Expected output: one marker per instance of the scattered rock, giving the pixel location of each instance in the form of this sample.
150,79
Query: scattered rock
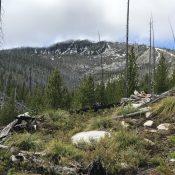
124,124
148,114
124,165
148,123
89,136
17,158
164,126
172,160
63,170
149,141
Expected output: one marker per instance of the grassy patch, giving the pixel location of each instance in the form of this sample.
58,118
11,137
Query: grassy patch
26,141
103,123
127,110
64,150
165,110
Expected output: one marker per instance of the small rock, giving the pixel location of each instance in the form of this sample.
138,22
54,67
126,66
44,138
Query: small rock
148,114
124,165
148,123
124,124
23,115
136,92
164,126
172,160
149,141
136,105
14,159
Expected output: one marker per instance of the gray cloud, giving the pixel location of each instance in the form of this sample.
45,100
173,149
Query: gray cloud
43,22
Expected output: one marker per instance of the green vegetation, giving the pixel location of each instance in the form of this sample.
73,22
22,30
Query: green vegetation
126,110
132,72
165,110
8,111
161,76
26,142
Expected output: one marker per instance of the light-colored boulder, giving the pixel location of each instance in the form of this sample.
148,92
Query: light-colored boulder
89,136
148,123
164,126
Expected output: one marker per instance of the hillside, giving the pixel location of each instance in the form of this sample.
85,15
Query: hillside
74,59
138,141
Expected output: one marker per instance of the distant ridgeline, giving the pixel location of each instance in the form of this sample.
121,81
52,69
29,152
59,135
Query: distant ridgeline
75,59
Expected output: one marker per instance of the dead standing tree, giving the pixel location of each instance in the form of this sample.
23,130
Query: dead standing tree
101,56
150,56
154,56
172,31
127,50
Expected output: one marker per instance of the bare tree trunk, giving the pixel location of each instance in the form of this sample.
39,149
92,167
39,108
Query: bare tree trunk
30,80
127,48
101,55
150,54
172,33
154,56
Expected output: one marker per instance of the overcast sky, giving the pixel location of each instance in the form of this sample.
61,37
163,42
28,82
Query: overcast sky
44,22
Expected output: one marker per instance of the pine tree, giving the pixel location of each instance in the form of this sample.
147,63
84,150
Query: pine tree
132,72
100,92
111,92
144,85
8,111
161,76
84,97
37,100
54,91
120,86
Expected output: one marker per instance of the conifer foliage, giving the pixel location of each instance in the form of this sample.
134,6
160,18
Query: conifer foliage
132,72
54,91
161,76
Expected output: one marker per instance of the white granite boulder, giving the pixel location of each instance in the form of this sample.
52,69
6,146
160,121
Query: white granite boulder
89,136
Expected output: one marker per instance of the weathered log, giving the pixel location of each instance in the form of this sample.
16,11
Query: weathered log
134,114
4,133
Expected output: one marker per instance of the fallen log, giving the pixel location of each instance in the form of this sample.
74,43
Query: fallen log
134,114
4,133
